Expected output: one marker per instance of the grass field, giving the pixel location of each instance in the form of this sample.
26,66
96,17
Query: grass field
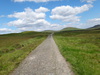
15,47
81,49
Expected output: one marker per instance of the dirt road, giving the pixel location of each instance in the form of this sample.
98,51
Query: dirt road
44,60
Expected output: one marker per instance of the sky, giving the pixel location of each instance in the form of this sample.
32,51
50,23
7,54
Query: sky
38,15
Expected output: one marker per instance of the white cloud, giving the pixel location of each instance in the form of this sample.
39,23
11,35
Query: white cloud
5,30
70,18
37,1
69,13
43,27
28,17
88,1
89,23
41,10
30,14
32,20
94,21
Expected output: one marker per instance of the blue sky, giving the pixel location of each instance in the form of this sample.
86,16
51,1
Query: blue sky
38,15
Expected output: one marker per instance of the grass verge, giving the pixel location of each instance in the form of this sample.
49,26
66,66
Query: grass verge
15,47
81,49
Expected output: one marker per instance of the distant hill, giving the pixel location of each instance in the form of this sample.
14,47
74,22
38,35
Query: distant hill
70,28
48,31
28,31
95,27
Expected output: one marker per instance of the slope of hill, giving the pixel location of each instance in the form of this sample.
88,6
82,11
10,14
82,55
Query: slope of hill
49,31
70,28
95,27
29,32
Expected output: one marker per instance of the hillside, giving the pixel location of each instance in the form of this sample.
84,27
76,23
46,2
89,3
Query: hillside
95,27
49,31
70,28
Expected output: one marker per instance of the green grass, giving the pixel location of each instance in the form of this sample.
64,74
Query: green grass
15,47
70,29
81,49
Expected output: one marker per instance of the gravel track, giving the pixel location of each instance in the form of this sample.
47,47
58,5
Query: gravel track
44,60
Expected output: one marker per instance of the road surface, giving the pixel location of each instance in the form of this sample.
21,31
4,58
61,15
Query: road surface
44,60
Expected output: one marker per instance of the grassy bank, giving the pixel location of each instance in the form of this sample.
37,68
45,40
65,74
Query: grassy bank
81,49
15,47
